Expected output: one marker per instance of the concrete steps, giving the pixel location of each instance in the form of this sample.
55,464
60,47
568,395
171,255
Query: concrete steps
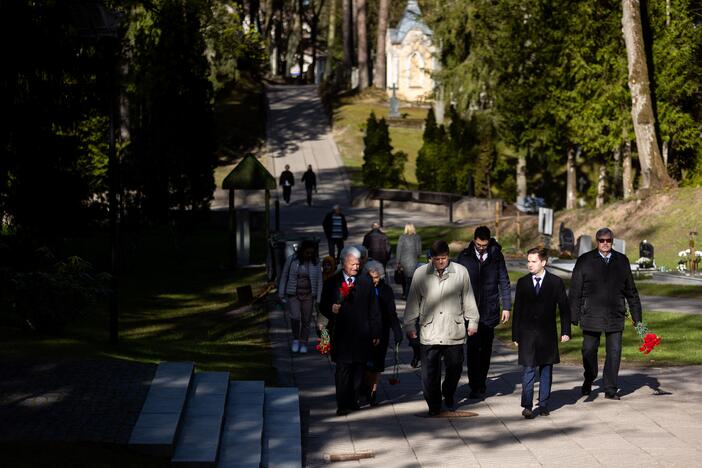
203,419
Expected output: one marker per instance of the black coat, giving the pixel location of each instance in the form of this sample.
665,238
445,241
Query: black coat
309,179
490,282
378,246
357,323
598,291
286,176
389,320
534,320
327,225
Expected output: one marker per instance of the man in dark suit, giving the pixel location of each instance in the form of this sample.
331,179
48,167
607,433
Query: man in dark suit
488,274
287,180
350,304
534,328
601,281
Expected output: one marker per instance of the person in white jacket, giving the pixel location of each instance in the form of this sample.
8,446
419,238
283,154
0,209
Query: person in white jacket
300,287
441,299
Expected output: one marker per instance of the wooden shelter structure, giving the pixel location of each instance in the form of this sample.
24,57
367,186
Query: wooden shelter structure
249,174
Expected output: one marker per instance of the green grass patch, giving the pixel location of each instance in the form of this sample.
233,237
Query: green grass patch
174,301
669,290
349,120
681,334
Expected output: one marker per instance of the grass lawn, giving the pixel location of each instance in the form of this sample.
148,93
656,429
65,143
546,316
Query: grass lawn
175,296
349,122
681,334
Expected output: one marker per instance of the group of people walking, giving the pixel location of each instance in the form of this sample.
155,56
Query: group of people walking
452,309
287,182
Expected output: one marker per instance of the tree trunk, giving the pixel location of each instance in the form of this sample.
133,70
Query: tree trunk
665,154
521,179
627,179
347,37
571,187
363,78
653,171
331,38
301,44
617,156
380,77
601,185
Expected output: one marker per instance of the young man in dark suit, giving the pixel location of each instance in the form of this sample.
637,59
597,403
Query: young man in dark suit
534,328
350,304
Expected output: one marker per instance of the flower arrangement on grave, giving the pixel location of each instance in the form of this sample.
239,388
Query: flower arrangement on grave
648,340
689,259
324,345
645,262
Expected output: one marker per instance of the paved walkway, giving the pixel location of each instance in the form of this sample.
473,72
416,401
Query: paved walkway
658,422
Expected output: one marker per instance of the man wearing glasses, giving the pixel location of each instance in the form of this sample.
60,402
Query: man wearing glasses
601,281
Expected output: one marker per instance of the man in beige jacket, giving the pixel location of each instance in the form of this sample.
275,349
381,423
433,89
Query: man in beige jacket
441,301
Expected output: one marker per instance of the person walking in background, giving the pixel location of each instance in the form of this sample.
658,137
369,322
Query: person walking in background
300,288
409,248
309,178
328,267
538,293
336,231
378,245
441,298
351,306
287,180
601,281
488,274
389,321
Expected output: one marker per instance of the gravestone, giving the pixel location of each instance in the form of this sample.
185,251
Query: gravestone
566,240
394,104
584,244
646,250
619,245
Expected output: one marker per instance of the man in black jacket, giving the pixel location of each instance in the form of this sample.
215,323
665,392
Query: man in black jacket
309,178
350,303
287,180
378,245
601,281
488,275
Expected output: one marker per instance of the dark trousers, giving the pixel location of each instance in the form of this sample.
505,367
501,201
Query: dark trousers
335,243
613,356
287,189
545,380
348,378
431,372
309,196
479,354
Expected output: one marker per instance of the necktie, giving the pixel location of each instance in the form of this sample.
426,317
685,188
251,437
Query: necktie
349,280
537,287
482,258
606,260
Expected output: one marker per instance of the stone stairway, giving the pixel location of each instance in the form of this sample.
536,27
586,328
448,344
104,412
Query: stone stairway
203,419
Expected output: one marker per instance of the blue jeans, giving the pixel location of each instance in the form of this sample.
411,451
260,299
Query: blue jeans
528,378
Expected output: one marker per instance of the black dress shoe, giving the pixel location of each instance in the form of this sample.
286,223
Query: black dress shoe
612,396
528,413
414,362
474,394
342,412
543,411
586,389
450,404
433,412
482,390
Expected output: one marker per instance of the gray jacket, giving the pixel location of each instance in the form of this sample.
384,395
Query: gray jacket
409,247
288,278
442,305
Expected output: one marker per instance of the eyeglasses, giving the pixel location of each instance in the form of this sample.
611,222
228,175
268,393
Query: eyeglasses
602,241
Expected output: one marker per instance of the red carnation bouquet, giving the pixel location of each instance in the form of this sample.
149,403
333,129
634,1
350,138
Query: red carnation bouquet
648,340
344,290
324,345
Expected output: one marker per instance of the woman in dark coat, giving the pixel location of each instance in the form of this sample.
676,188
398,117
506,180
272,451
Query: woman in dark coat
534,328
389,320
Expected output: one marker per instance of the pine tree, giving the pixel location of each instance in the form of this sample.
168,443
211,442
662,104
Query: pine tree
381,167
